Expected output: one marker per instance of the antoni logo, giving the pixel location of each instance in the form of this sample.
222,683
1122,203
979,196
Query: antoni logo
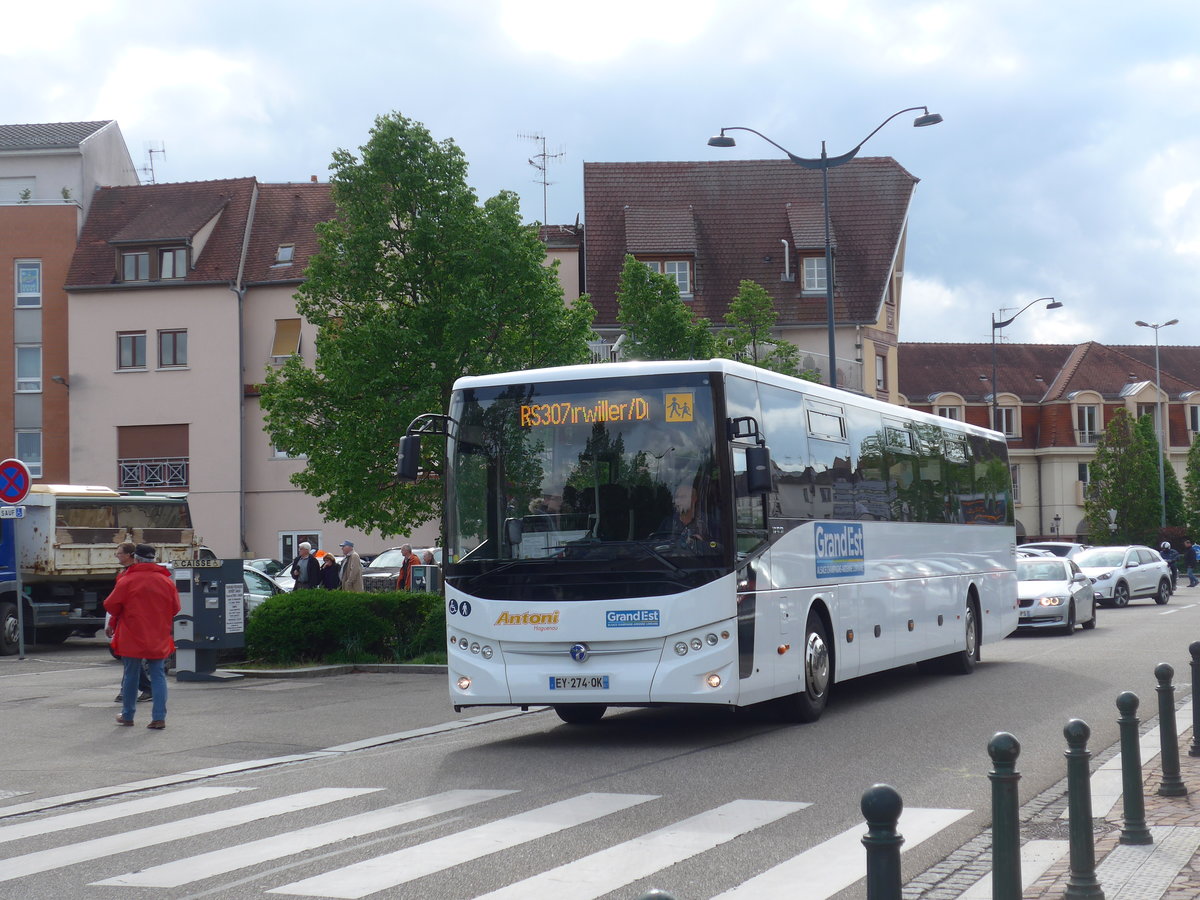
528,618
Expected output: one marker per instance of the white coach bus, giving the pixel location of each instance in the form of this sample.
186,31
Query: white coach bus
636,534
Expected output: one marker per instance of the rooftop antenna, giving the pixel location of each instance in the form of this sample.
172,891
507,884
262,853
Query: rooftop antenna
540,161
147,171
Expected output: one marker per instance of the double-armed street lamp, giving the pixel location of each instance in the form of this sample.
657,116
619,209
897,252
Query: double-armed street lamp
1162,444
825,163
997,325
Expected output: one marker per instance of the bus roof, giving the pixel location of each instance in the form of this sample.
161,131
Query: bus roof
73,490
724,366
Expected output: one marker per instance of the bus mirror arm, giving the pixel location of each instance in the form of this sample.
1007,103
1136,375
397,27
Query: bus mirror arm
758,470
408,457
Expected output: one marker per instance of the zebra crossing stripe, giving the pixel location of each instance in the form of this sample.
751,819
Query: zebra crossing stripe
606,871
406,865
220,862
59,857
837,863
109,813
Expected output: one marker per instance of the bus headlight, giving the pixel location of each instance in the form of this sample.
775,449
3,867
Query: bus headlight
464,683
713,680
475,648
681,648
697,643
710,639
486,652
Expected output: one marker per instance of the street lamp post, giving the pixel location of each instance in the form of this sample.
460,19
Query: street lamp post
1162,481
1053,304
825,163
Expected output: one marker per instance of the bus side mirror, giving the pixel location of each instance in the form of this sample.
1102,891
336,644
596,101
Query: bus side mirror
408,460
758,470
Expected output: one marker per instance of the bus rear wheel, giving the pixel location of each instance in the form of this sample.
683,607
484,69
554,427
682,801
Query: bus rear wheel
808,704
581,713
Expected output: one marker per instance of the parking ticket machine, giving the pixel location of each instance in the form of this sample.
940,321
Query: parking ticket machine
212,616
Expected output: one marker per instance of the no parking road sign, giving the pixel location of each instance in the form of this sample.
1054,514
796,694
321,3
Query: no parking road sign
14,481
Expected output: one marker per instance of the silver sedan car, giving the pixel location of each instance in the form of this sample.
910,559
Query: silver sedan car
1053,593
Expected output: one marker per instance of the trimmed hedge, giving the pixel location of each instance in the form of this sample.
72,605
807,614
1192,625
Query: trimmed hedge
319,626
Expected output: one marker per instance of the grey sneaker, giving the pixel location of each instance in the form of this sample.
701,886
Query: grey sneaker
144,696
118,699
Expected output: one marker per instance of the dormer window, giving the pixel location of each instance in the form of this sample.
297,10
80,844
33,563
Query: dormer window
679,270
173,263
135,266
814,273
285,255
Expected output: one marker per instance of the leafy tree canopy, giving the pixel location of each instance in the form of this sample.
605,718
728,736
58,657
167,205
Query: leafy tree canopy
658,325
1124,477
751,317
414,284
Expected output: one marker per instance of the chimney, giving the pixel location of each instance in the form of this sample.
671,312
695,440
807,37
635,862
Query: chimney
312,178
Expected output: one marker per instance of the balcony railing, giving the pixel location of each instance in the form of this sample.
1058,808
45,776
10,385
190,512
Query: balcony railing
158,472
1086,438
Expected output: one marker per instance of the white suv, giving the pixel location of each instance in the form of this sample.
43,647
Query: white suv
1120,574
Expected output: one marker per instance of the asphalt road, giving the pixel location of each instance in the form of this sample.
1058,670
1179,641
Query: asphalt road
534,794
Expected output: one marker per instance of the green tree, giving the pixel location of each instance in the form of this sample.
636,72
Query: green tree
1191,484
1125,479
414,284
751,317
658,325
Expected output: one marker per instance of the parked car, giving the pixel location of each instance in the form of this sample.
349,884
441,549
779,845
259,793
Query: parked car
1058,548
384,569
273,568
1054,593
259,586
1030,552
1120,574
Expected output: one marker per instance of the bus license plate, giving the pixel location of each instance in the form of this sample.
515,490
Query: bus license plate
579,682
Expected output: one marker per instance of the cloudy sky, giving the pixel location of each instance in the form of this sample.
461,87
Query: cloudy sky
1068,164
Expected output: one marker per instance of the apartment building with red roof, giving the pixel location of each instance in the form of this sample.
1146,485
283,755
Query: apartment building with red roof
711,225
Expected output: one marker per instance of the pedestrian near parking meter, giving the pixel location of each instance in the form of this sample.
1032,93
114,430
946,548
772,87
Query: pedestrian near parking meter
212,616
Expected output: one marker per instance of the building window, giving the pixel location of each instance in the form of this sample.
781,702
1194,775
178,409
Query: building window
29,368
135,266
1085,474
29,450
950,412
172,348
172,263
1148,409
290,541
678,270
880,372
276,453
152,457
285,255
1015,472
814,273
1006,421
287,339
1089,421
29,283
1193,419
131,350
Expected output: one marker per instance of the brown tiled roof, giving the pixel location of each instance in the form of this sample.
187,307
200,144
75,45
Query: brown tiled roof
808,226
1181,361
286,214
164,212
51,136
656,229
741,213
1034,372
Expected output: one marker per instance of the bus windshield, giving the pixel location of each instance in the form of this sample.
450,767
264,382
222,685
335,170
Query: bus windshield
562,476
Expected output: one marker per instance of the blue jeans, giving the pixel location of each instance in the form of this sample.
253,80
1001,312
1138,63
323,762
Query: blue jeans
129,685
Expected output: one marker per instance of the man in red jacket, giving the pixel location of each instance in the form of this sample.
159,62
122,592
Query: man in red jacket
143,606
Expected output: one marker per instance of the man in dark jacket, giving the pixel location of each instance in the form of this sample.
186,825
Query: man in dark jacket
306,569
143,606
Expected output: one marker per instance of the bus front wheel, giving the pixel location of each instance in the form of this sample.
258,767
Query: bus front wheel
963,662
581,713
808,704
8,629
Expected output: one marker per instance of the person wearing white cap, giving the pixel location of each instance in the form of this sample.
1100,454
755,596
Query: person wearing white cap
352,579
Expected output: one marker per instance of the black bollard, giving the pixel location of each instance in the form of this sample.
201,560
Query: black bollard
1172,784
1194,649
1004,749
1132,793
1082,881
881,807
